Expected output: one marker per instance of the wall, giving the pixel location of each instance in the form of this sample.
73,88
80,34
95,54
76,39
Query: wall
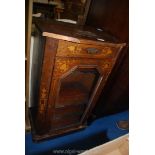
113,15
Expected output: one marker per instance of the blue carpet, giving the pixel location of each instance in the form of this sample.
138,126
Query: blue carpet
98,132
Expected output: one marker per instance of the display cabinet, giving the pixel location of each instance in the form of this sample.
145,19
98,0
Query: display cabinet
71,65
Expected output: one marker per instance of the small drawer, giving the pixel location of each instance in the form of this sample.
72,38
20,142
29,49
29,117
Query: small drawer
69,49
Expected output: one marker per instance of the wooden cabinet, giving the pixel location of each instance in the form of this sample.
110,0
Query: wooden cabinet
69,74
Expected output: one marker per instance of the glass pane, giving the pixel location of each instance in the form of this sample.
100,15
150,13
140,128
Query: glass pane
77,87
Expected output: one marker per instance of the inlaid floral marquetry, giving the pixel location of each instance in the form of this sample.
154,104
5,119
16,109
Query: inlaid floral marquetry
48,61
66,47
73,70
63,65
43,93
69,49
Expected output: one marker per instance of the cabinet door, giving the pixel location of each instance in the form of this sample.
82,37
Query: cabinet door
75,86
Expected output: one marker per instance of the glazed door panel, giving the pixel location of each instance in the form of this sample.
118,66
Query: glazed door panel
74,85
77,86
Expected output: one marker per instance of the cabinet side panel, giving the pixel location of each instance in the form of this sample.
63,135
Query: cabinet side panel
45,82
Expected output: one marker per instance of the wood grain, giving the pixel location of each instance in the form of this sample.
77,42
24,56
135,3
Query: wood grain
47,68
70,49
71,81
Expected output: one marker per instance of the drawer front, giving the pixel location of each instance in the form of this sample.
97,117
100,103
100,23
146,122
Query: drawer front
70,49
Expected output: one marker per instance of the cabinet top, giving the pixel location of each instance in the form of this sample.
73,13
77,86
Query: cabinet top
72,32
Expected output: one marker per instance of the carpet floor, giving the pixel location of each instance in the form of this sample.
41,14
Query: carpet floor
98,132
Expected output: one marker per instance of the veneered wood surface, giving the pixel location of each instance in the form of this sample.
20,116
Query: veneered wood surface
76,32
57,65
47,67
69,110
70,49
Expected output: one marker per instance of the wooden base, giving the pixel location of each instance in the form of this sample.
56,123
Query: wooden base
51,134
